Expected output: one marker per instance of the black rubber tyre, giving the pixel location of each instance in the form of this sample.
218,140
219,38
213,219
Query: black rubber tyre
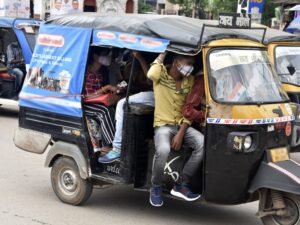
67,184
293,204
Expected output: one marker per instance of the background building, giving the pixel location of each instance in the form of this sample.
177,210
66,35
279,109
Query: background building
15,8
45,8
166,7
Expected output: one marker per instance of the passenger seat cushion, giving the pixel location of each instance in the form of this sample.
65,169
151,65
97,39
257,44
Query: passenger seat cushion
6,76
141,109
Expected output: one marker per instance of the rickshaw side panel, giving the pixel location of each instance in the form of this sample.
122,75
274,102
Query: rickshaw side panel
60,127
228,174
136,144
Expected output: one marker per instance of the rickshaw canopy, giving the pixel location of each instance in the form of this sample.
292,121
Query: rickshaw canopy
273,35
294,25
183,33
57,60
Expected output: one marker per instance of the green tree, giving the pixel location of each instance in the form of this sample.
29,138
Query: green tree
222,6
192,7
203,6
143,7
269,12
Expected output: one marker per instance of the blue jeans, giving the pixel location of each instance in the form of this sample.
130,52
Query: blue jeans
146,98
19,75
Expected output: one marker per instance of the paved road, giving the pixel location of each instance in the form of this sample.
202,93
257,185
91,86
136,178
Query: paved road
26,197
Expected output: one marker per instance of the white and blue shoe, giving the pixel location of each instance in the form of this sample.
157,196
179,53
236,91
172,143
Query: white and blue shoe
110,157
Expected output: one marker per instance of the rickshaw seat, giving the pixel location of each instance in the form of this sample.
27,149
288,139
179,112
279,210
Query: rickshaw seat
6,76
141,109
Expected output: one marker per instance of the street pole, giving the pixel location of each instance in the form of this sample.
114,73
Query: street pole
194,9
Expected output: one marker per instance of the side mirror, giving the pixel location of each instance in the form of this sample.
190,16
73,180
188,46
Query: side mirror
291,69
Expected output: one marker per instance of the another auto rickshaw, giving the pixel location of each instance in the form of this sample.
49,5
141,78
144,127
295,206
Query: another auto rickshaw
248,122
284,51
17,41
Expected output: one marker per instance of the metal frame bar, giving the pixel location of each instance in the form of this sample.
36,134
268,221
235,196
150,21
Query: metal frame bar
252,28
133,65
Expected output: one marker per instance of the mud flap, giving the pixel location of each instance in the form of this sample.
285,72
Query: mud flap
282,176
31,141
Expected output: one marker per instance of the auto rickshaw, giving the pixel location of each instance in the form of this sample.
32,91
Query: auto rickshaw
284,52
23,33
247,128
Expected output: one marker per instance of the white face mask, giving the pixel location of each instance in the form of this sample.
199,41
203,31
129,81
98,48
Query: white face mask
185,70
104,60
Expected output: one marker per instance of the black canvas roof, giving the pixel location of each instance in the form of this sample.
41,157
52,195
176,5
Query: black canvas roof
273,35
183,32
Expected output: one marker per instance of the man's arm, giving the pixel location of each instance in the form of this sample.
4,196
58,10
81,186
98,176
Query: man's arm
155,70
10,54
142,61
193,100
178,138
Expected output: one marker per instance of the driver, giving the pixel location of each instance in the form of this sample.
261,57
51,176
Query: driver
15,64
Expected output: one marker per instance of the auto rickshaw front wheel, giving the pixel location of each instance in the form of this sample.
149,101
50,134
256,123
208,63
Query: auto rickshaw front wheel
67,184
292,203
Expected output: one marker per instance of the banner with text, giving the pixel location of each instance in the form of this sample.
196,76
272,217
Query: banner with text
130,41
55,77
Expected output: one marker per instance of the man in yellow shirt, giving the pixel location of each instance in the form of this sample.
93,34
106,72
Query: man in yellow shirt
171,86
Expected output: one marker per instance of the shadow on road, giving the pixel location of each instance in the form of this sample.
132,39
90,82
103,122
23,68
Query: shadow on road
133,203
9,111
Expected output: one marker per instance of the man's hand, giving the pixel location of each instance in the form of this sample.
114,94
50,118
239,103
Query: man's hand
178,138
177,141
109,89
137,54
161,57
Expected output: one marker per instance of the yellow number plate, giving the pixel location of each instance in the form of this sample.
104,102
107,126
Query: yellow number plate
279,154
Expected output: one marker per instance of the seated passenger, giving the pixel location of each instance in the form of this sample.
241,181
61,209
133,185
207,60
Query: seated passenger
15,64
94,86
191,109
145,98
171,86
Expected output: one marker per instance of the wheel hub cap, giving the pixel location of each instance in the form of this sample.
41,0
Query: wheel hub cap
68,181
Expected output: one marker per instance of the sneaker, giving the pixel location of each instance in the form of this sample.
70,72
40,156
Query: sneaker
155,196
111,156
184,192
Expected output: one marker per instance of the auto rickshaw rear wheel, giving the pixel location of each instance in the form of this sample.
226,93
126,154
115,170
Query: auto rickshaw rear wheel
67,184
292,203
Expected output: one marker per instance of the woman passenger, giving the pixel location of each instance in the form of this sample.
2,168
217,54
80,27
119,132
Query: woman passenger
95,79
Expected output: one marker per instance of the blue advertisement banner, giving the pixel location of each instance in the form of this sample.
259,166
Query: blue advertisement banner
56,73
130,41
256,6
